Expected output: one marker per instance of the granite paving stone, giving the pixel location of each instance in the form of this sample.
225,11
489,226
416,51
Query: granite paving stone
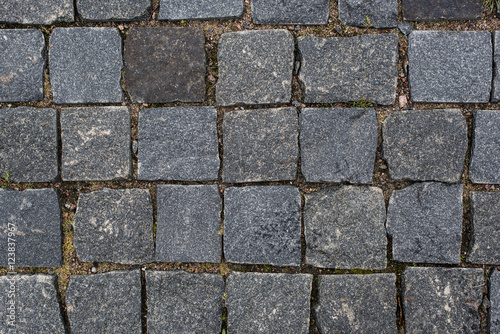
31,220
425,223
36,12
344,228
28,144
114,225
188,223
450,66
268,303
442,300
345,69
306,12
338,145
181,302
485,152
495,302
484,245
114,10
165,64
405,28
495,86
260,145
85,65
174,10
32,303
262,225
425,145
357,304
23,55
369,13
105,303
437,10
255,67
178,143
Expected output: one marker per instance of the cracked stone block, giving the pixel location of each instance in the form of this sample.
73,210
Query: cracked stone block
188,223
180,302
345,69
174,10
484,247
28,144
363,304
114,225
306,12
105,303
30,304
95,144
179,144
268,303
425,223
338,145
425,145
165,64
23,55
369,13
485,152
262,225
495,302
45,12
31,220
260,145
442,300
437,10
114,10
450,66
255,67
344,228
89,76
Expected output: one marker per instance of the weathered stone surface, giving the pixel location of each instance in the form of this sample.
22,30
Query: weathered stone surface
255,67
357,304
188,223
369,13
450,66
36,11
290,12
34,217
495,86
425,223
178,143
174,10
260,145
338,145
105,303
485,153
425,145
262,225
343,69
114,10
165,64
23,55
495,302
180,302
89,76
268,303
344,228
442,300
28,144
34,299
114,225
405,28
484,247
435,10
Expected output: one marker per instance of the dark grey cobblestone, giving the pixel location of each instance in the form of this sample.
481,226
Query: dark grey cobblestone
369,13
310,12
114,10
495,302
36,12
485,153
437,10
495,88
174,10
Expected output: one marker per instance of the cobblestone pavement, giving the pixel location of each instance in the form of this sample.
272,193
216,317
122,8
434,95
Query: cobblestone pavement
249,166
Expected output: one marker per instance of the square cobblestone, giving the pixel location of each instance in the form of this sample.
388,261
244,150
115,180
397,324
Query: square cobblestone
437,10
485,152
369,13
36,12
174,10
495,302
114,10
310,12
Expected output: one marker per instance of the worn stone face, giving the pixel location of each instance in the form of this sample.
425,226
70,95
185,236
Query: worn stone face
114,10
178,143
369,13
357,304
165,65
262,225
23,55
495,302
338,145
36,11
495,87
311,12
28,145
436,10
268,303
485,153
174,10
114,225
444,300
450,66
255,67
344,69
93,76
180,302
109,302
425,223
425,145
